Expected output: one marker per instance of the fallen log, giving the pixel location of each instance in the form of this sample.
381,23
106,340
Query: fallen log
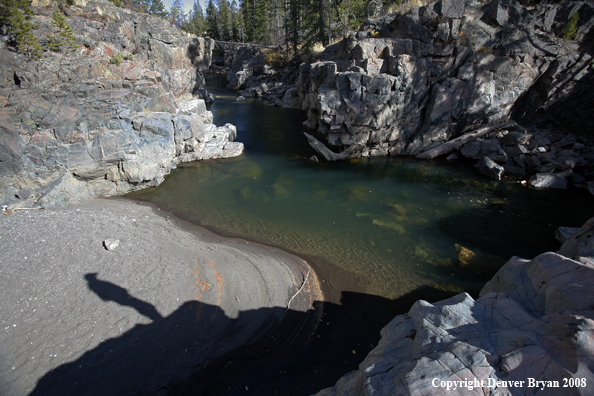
325,152
460,141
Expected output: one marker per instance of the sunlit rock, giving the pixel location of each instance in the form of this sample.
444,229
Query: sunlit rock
533,320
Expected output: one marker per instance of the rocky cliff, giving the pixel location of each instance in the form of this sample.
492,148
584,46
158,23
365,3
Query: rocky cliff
490,80
406,83
111,116
530,332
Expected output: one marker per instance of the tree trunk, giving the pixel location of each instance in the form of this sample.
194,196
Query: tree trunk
459,141
321,24
329,22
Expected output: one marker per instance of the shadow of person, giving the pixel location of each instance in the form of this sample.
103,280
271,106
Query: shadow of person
107,291
150,359
142,360
199,350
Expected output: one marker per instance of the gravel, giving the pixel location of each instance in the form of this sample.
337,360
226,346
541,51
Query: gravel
78,317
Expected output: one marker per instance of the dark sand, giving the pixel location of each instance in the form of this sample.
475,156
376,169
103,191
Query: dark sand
170,300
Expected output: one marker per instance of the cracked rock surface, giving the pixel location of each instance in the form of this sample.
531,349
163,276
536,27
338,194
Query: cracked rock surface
404,84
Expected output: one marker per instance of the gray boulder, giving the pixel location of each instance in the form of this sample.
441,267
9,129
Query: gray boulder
291,99
452,8
490,168
548,180
562,234
580,243
515,138
497,13
532,322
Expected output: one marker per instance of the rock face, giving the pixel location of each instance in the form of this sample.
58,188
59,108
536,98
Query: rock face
580,242
75,125
252,75
440,71
534,321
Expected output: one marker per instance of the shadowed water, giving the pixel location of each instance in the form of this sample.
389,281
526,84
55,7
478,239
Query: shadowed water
398,224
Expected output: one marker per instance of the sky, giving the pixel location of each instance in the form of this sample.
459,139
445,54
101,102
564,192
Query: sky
188,4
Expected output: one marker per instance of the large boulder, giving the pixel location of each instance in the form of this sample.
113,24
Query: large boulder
532,328
291,99
246,62
580,243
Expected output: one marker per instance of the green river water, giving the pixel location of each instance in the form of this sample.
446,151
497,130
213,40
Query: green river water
396,224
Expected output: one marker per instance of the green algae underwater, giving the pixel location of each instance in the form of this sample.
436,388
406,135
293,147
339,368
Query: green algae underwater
396,224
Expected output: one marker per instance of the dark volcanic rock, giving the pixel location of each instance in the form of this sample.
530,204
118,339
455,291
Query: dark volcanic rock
490,168
548,180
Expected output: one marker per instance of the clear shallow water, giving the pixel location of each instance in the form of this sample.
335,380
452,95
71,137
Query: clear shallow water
396,223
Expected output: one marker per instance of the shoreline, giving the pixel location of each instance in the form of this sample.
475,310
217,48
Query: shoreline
98,307
165,277
333,280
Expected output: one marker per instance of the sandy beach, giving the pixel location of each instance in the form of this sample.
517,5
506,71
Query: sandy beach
170,300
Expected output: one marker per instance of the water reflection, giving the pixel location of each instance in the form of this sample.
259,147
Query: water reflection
399,223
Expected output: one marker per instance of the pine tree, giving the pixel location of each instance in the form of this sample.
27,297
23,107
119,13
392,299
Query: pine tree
199,20
236,23
350,14
156,7
293,27
257,19
63,38
312,23
195,23
212,21
224,20
16,15
176,15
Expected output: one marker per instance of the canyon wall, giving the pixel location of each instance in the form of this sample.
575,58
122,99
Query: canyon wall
405,84
112,115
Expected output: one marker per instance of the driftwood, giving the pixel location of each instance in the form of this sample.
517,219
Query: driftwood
459,141
303,284
325,152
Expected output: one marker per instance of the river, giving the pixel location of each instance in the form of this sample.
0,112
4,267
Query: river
382,229
396,223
